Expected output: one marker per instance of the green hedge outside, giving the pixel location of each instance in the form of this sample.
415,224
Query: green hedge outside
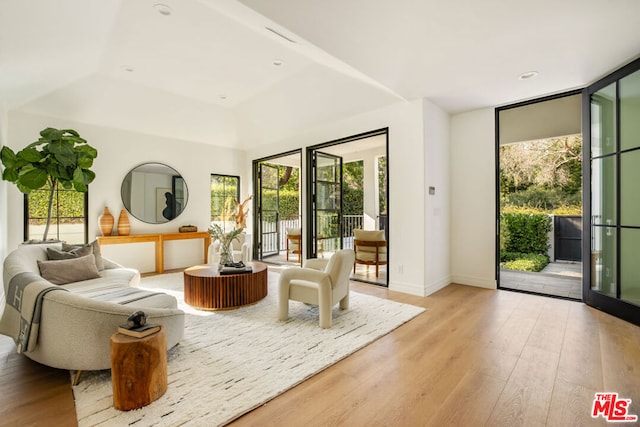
69,204
523,262
527,233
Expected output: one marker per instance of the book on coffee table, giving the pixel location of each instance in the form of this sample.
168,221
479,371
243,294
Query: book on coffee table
235,270
140,331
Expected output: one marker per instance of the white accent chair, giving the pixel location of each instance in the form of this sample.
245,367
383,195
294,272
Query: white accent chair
312,284
241,250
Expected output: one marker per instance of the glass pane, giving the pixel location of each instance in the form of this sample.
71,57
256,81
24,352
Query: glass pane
603,115
328,239
67,215
603,191
629,265
630,111
224,190
269,176
328,196
603,260
629,180
327,169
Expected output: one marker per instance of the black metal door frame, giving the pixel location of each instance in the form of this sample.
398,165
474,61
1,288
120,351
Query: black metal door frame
609,304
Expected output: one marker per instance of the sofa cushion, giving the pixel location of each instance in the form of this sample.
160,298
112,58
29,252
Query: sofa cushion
96,252
113,287
54,254
69,270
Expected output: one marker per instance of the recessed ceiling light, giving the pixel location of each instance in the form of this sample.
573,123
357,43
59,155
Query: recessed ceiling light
528,75
278,62
162,9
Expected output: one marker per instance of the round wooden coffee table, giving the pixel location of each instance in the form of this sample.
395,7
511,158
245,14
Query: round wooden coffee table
205,288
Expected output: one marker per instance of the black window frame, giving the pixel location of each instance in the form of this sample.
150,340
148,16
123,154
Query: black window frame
237,194
54,229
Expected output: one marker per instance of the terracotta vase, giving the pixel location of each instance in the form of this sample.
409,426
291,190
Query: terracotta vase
124,227
106,222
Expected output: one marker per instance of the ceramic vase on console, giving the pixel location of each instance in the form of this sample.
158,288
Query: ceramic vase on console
106,222
124,227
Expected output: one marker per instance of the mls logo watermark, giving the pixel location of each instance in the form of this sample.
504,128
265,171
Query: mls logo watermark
612,408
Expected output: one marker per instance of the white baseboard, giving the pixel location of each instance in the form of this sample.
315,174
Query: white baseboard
407,288
474,281
434,287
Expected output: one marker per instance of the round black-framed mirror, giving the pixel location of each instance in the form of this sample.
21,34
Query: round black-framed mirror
154,193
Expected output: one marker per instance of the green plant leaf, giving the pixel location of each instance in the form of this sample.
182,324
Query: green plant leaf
10,174
30,155
83,177
8,157
50,134
89,176
22,188
71,131
63,152
87,150
79,186
33,178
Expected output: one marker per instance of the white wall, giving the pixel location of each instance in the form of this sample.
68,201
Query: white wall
473,229
437,207
118,152
4,211
406,182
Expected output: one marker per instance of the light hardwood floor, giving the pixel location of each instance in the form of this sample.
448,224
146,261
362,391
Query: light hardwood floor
475,357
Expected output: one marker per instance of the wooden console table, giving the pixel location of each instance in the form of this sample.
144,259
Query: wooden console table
158,239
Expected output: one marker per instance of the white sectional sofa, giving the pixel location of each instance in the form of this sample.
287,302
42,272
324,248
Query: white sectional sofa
68,326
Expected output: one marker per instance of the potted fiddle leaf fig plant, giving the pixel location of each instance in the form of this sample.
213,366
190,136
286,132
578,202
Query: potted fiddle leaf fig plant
57,157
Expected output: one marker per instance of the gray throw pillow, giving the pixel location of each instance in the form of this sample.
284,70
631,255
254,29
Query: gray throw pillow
96,252
56,254
69,270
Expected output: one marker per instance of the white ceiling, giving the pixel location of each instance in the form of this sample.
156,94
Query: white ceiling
205,73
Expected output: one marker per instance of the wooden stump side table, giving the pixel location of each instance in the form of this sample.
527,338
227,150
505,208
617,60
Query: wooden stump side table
138,369
206,289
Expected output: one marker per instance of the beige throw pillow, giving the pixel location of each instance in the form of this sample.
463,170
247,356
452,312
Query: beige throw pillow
56,254
69,270
96,252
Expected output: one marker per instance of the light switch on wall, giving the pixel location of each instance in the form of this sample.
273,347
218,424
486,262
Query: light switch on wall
432,191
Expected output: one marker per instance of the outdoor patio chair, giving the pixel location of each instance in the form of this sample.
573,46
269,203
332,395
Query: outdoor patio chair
293,245
370,247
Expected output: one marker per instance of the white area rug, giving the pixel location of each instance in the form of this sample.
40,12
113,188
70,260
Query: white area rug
230,362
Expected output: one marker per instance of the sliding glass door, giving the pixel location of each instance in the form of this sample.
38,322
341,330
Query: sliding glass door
611,112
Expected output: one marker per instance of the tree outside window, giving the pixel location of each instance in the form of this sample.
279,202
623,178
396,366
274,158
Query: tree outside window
68,216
